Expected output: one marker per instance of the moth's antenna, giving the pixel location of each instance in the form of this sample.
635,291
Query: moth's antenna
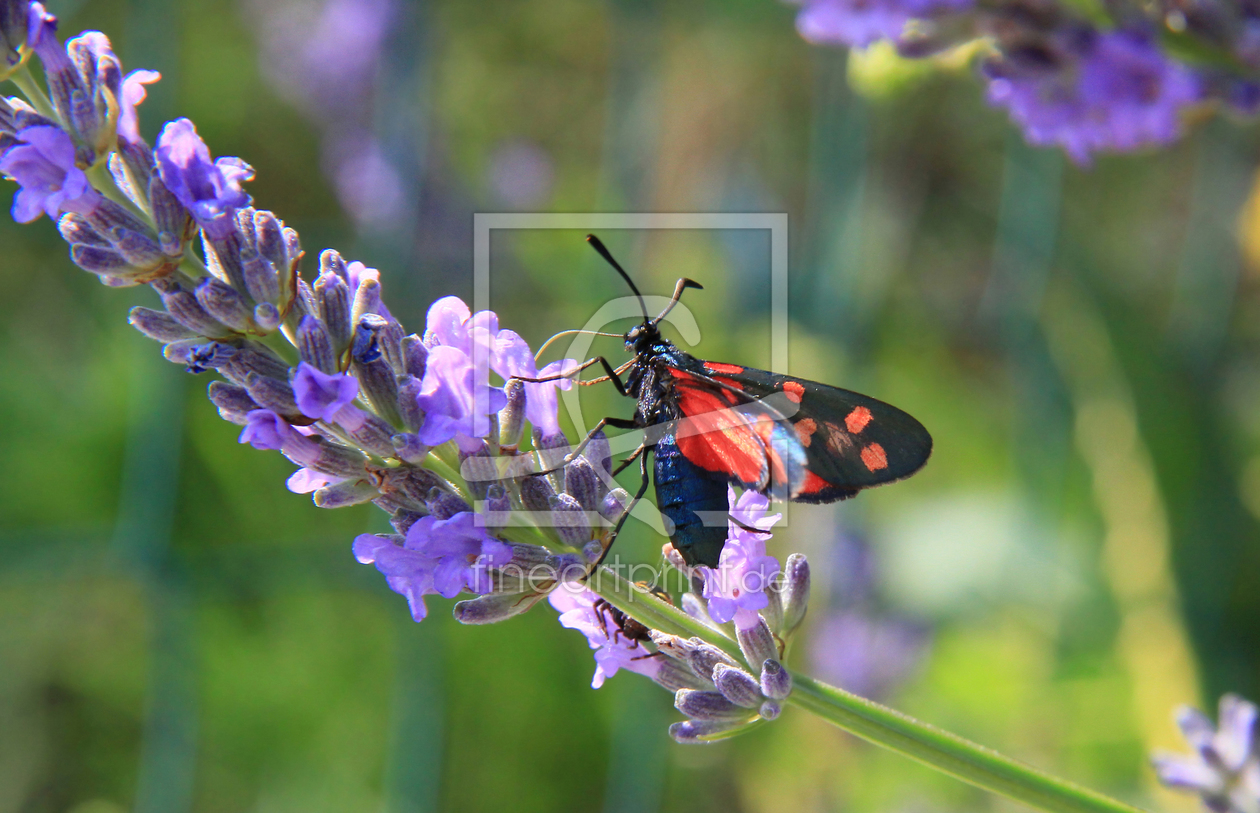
598,245
683,284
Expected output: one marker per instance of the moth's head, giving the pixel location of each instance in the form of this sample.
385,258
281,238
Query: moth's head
641,337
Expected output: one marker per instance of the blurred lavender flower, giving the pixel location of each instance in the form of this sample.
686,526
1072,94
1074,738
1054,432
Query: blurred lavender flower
858,649
859,23
520,174
736,588
13,31
1225,767
43,161
437,556
324,56
210,190
581,610
1100,91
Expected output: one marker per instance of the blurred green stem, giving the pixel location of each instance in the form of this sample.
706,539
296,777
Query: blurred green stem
946,752
33,92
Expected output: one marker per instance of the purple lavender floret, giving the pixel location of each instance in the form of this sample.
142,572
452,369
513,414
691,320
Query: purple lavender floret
512,357
210,190
43,163
858,23
735,589
1225,766
455,392
1109,91
133,93
327,396
265,430
438,556
613,650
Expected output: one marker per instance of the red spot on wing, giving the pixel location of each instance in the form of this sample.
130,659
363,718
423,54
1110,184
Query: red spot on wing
794,391
805,429
719,367
874,457
857,420
813,485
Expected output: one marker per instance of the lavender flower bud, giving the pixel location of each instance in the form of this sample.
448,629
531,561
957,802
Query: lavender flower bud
408,407
536,494
776,682
707,705
186,310
599,453
415,355
210,356
512,416
332,297
402,520
304,303
329,458
157,325
261,281
223,258
569,520
444,505
274,394
376,381
795,593
181,351
479,471
267,316
737,686
349,492
614,504
494,607
526,557
674,676
374,436
77,230
367,300
567,567
691,732
580,483
757,643
103,262
223,303
770,710
497,499
704,657
409,484
551,448
138,248
592,551
170,217
409,447
269,240
233,402
315,346
331,262
255,358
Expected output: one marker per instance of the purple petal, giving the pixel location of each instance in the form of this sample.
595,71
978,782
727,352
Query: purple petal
322,395
265,430
133,93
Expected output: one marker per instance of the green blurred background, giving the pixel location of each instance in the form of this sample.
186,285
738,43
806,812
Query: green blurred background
179,633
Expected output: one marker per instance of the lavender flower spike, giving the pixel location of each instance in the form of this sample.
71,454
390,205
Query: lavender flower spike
1225,768
43,162
210,190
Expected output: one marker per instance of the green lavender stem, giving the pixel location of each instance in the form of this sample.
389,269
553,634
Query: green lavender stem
885,727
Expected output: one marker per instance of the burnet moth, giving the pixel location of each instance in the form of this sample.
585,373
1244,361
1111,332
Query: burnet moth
710,423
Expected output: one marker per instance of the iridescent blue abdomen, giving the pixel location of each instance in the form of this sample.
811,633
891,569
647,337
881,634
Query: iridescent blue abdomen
694,501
